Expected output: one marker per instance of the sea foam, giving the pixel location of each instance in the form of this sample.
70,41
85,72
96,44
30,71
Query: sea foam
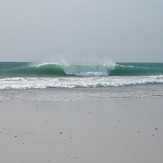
76,82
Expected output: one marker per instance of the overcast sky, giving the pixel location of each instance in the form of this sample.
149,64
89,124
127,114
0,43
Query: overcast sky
117,30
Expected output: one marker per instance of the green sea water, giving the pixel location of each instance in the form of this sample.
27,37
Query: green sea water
32,81
27,69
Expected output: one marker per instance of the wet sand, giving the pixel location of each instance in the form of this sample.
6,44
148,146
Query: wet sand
97,131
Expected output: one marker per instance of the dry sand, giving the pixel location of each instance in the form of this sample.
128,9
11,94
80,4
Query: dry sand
112,131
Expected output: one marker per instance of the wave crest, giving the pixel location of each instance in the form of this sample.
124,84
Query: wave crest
54,69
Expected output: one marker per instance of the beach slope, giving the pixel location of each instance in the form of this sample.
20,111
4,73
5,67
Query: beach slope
116,131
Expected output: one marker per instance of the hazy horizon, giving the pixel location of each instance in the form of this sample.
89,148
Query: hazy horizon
92,30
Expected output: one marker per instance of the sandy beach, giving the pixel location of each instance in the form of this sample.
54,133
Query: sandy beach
97,131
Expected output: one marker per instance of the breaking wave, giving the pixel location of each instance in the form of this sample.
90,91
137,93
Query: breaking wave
52,70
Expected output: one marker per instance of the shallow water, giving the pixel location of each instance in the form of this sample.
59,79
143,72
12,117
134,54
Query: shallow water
68,94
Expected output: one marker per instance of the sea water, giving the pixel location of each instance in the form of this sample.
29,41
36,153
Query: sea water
28,81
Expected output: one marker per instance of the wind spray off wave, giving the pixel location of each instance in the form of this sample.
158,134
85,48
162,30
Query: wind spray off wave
52,75
63,70
52,70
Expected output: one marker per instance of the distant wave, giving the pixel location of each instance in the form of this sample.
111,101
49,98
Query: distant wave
52,70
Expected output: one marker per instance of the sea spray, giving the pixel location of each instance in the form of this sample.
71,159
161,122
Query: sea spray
86,70
57,75
56,70
56,80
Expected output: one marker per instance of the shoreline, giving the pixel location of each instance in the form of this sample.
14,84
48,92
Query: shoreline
128,130
79,94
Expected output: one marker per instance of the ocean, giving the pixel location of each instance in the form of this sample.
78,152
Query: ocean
31,81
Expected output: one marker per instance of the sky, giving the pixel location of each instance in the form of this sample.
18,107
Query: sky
94,30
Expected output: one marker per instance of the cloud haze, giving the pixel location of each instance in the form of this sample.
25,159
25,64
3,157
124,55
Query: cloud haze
112,29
